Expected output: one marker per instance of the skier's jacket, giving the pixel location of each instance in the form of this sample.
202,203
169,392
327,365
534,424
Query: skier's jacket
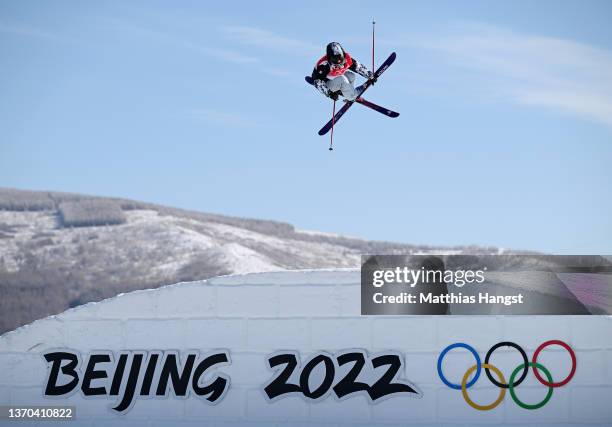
325,71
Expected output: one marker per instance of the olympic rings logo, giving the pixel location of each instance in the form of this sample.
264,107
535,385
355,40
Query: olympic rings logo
513,382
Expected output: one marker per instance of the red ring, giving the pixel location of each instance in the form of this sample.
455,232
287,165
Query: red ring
572,355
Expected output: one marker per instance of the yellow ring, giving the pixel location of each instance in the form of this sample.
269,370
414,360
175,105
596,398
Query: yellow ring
502,391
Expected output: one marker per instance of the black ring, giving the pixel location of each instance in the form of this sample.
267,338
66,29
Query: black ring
520,350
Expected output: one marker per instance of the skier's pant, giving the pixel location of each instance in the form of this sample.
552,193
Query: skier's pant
344,84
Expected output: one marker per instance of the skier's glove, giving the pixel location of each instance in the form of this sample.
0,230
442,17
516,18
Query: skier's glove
372,78
333,96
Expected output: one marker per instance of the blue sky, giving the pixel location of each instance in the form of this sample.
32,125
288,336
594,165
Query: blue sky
504,138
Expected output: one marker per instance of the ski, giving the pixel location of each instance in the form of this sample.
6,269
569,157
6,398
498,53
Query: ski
375,107
383,67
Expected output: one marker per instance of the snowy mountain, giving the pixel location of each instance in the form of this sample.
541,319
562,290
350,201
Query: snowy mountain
60,250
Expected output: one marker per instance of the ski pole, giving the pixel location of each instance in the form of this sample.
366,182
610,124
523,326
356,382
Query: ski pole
373,24
331,137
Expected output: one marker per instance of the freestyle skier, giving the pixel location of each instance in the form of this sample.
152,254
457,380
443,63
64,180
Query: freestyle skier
334,73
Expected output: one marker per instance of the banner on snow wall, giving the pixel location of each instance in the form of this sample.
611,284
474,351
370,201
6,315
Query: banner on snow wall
293,348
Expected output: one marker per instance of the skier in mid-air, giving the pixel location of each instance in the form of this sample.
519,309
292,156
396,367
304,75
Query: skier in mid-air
334,73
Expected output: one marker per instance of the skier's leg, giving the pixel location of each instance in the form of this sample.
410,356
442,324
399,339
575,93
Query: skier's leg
335,84
348,91
343,84
351,77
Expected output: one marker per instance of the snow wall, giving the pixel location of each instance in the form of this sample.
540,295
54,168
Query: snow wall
255,315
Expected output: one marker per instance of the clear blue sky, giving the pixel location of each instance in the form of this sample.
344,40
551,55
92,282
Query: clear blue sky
504,138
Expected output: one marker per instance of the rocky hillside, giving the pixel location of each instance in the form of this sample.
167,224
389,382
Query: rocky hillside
60,250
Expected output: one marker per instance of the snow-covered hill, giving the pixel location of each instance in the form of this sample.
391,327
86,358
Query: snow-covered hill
60,250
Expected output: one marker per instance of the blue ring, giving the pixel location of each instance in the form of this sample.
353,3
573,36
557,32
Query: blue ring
478,365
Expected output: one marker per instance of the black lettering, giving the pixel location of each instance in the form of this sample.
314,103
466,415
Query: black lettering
118,376
148,376
52,388
328,380
91,374
216,388
384,386
279,385
130,387
180,382
349,383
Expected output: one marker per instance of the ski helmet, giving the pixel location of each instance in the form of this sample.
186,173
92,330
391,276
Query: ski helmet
335,53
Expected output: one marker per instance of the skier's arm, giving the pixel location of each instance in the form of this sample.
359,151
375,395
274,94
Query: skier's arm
361,69
319,80
322,87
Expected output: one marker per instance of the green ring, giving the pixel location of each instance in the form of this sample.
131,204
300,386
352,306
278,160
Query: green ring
513,394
